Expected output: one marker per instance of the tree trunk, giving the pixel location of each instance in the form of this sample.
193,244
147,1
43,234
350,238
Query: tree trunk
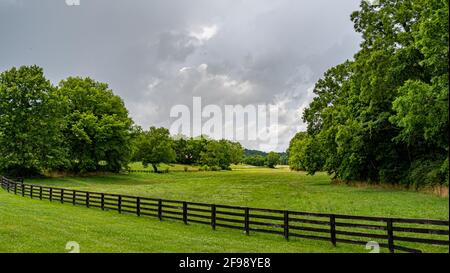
155,169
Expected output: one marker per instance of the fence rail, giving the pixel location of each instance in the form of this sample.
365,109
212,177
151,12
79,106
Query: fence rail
391,233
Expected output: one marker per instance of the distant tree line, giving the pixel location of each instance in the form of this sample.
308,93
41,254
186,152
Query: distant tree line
257,158
156,146
384,115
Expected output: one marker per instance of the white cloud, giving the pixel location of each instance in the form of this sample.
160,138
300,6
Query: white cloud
204,33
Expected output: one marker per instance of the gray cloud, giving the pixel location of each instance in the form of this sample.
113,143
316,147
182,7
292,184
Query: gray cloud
156,54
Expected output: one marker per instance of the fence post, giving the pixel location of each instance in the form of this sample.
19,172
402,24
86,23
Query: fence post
246,221
51,193
62,196
138,206
213,216
74,197
333,229
102,201
286,225
87,199
185,213
390,231
31,191
40,192
15,188
119,203
160,209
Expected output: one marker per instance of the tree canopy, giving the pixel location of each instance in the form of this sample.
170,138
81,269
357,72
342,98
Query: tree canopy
384,115
98,128
31,121
156,147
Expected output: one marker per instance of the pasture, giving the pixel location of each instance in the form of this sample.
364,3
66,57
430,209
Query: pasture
40,226
46,227
265,188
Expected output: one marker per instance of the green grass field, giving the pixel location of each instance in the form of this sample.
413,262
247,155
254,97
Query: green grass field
41,226
266,188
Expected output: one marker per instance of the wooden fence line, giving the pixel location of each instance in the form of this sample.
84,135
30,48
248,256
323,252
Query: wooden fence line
307,225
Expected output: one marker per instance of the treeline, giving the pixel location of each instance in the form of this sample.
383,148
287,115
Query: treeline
384,115
80,126
261,159
156,146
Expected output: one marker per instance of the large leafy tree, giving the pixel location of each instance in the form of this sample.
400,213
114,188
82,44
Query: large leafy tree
157,147
236,152
221,153
272,159
30,123
98,129
384,115
181,150
194,149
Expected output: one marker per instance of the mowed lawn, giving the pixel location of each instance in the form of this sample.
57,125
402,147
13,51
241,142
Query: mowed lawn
265,188
30,225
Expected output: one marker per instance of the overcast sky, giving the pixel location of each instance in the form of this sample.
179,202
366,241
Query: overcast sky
156,54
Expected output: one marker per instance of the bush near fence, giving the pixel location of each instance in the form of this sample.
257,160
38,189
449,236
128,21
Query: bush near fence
391,233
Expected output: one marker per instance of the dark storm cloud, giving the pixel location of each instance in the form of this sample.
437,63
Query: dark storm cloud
156,54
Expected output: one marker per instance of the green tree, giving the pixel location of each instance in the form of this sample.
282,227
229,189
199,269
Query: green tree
217,154
255,160
284,159
194,149
421,108
30,123
272,159
157,148
137,137
384,115
297,153
98,131
236,152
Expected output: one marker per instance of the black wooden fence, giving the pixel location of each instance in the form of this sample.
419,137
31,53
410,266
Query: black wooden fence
392,233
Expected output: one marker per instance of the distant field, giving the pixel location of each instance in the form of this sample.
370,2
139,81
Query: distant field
267,188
